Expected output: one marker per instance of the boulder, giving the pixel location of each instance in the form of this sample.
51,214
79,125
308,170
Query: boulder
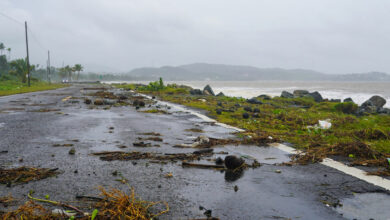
254,101
245,115
220,94
237,105
384,111
87,101
335,100
218,111
348,100
264,97
98,102
376,101
248,109
316,96
233,162
300,93
373,105
219,104
256,110
196,92
208,90
286,94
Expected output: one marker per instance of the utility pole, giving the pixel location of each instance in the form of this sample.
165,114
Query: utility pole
48,67
28,61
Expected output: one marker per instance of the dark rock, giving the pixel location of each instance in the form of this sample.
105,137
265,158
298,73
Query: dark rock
196,92
203,151
376,101
122,97
237,105
248,109
300,93
348,100
335,100
219,104
233,175
254,101
245,115
87,101
220,94
98,102
207,90
219,161
233,162
218,111
384,111
136,102
264,97
256,110
286,94
316,96
141,103
153,97
72,151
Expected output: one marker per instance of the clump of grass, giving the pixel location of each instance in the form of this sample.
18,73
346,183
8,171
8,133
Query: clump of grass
119,205
346,107
156,111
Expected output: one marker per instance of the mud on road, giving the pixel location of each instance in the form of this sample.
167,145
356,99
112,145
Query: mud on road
59,129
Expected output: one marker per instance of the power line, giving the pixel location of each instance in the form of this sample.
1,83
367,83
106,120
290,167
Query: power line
39,44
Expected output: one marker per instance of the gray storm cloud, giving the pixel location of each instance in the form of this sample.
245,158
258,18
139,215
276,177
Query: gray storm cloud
334,36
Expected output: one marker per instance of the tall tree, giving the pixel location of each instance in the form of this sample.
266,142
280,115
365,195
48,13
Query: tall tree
19,68
78,68
9,53
2,47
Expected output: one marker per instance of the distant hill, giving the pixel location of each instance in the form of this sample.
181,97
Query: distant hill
204,71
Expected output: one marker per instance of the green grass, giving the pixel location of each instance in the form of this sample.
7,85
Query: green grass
11,87
286,120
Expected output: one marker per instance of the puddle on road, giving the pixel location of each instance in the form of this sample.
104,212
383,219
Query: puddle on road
366,206
266,155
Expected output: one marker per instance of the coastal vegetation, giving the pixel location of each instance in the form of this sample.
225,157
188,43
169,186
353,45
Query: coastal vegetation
13,75
361,139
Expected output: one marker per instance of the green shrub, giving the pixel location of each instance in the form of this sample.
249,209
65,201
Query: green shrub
346,107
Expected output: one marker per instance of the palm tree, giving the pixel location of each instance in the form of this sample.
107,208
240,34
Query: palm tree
69,70
2,47
19,69
9,53
78,68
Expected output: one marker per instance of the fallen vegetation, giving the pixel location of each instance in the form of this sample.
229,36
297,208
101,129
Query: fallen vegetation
135,155
113,204
25,175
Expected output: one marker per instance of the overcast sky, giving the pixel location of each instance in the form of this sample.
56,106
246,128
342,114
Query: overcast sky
331,36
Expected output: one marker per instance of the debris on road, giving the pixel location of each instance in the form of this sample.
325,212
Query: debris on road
25,174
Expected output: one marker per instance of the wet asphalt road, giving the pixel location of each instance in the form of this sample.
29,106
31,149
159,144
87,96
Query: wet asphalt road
298,192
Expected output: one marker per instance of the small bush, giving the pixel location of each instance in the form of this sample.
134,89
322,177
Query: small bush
346,107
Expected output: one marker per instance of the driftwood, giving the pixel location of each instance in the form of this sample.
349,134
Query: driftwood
212,166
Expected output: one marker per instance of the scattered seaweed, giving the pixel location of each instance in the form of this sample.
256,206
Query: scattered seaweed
156,111
135,155
62,145
104,94
158,139
25,174
197,130
119,205
150,134
113,204
45,110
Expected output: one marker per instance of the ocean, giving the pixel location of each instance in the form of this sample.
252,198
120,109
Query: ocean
358,91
